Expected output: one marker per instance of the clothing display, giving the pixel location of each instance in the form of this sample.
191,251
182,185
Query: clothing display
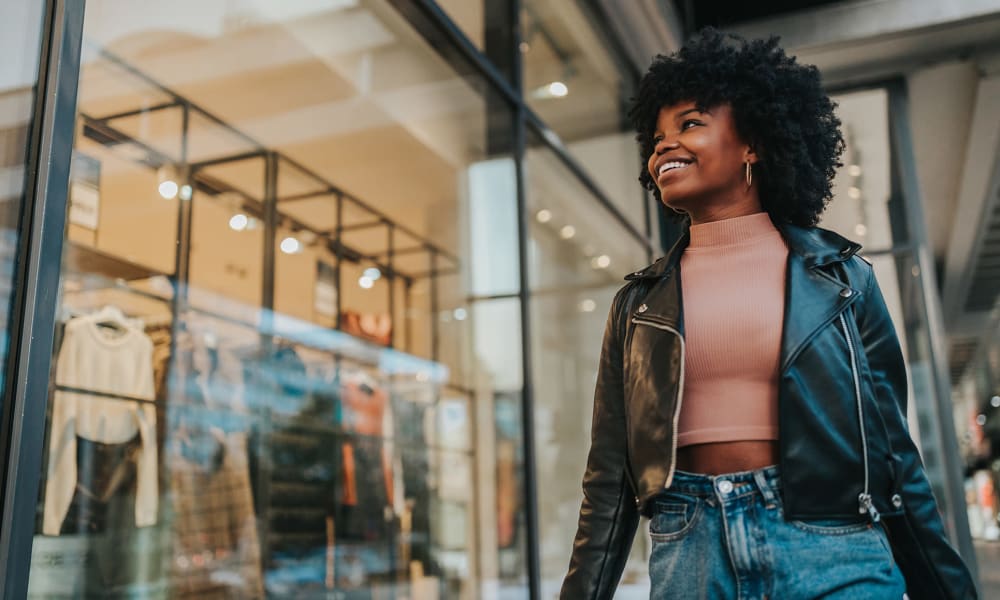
374,327
216,553
731,356
96,359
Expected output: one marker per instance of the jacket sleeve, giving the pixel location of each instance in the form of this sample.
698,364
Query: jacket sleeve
933,569
608,514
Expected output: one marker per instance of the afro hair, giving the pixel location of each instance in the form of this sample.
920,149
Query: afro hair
779,107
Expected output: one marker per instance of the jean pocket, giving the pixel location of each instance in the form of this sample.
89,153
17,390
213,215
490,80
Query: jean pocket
674,518
833,526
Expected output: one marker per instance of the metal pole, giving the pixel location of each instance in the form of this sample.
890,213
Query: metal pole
945,436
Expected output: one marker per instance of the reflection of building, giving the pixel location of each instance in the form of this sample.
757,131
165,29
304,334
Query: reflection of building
369,242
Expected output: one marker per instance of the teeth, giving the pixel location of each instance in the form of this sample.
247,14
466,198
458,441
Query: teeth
672,165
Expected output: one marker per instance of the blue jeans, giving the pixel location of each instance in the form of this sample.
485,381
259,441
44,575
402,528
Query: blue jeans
725,537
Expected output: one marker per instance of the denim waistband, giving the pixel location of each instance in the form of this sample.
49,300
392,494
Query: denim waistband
765,481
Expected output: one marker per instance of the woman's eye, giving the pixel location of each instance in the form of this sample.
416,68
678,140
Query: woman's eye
685,124
657,139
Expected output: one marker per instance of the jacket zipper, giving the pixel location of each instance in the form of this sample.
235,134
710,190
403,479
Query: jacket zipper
680,394
865,504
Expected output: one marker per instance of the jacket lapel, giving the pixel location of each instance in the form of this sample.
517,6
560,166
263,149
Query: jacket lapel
813,296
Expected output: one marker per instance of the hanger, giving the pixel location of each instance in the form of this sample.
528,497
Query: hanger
113,317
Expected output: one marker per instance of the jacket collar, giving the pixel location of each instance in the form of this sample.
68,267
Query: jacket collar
817,247
812,298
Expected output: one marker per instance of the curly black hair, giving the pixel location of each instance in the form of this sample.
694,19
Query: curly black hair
779,108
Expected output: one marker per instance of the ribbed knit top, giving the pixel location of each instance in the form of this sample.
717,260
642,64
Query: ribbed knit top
733,282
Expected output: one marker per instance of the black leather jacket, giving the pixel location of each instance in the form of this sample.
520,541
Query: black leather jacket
844,443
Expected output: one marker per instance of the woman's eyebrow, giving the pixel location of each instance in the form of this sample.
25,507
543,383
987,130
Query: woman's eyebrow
688,111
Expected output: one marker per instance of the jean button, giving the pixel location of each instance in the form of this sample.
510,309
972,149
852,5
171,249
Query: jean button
725,486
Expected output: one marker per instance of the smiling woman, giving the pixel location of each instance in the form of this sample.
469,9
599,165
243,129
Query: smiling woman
751,391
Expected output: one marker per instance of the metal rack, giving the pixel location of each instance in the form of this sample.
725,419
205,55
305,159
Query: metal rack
106,130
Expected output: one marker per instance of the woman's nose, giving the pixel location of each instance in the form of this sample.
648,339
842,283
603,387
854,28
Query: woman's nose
663,145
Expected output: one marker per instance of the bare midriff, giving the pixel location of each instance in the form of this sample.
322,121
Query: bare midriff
718,458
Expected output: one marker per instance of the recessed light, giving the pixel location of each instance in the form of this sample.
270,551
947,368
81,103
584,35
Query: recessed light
239,222
291,245
558,89
168,189
601,262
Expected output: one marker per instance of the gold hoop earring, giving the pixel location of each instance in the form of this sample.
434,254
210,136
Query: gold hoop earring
749,176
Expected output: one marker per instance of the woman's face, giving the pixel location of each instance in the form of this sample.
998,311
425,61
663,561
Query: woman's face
698,162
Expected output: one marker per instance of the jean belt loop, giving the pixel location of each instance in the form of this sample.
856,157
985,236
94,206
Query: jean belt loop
766,490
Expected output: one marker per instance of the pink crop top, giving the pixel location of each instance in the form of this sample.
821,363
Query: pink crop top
733,281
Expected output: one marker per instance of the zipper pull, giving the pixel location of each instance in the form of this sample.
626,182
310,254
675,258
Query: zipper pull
866,506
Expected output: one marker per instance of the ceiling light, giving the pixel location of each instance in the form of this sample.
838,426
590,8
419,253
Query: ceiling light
167,176
995,401
239,222
291,245
854,192
861,229
186,192
544,216
366,282
460,314
567,232
558,89
854,170
981,420
588,306
168,189
252,223
601,262
372,273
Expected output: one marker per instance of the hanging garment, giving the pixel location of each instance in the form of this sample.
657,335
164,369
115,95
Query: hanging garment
117,361
216,552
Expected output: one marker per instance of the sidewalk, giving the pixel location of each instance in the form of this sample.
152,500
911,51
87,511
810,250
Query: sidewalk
988,557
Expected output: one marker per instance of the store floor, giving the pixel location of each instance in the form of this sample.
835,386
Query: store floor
988,557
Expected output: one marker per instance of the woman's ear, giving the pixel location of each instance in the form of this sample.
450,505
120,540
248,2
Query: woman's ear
750,154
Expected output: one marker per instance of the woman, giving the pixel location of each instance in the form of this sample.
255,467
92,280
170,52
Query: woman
751,397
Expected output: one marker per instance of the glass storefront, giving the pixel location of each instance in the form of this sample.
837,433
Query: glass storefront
288,353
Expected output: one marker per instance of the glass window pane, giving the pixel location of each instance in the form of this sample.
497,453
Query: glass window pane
579,256
290,363
20,44
862,188
579,89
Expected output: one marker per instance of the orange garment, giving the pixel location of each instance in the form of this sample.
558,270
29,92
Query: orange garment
364,411
733,285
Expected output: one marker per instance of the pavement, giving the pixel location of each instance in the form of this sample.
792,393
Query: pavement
988,557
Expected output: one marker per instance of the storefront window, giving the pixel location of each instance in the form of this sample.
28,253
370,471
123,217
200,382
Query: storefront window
578,257
573,82
274,375
20,33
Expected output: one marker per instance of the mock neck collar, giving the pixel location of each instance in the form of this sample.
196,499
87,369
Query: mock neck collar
731,232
